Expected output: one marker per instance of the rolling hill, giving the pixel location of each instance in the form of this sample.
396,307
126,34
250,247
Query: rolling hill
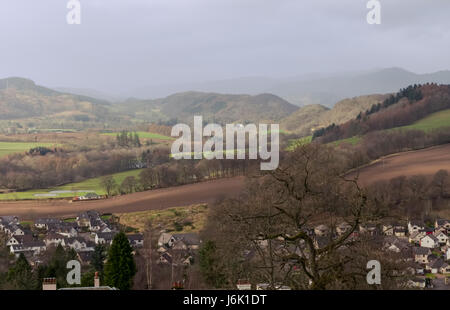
311,117
220,108
22,98
409,108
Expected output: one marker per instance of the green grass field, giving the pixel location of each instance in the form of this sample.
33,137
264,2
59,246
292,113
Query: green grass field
7,148
293,144
144,135
434,121
80,188
353,140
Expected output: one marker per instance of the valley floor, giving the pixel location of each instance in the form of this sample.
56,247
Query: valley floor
204,192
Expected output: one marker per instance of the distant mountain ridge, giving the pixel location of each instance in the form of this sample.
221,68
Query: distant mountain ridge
307,89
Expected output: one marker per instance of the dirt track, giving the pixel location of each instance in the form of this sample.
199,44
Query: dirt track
422,162
205,192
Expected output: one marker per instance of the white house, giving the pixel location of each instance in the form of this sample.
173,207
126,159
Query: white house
104,238
442,238
75,243
166,239
416,236
448,254
415,226
388,230
136,240
54,239
13,241
429,241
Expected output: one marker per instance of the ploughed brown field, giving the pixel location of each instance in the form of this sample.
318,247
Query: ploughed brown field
422,162
204,192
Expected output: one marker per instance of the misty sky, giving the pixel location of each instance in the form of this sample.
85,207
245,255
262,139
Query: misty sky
126,44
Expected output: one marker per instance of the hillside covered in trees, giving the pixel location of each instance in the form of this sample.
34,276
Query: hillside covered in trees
404,108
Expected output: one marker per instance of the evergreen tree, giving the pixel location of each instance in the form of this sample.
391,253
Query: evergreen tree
137,142
98,258
120,267
20,276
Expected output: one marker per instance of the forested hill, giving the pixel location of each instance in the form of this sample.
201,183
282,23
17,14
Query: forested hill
404,108
214,107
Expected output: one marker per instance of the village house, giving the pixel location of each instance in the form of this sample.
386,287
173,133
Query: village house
435,265
44,223
15,240
388,230
85,257
136,240
36,247
442,238
429,241
395,244
66,229
54,239
166,239
75,243
14,230
321,230
8,220
400,232
104,238
343,228
415,226
442,223
369,229
165,258
416,236
190,240
421,255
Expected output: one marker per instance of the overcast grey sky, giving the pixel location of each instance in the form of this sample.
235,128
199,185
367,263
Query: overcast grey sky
125,44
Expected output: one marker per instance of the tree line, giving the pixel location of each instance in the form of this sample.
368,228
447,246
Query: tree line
409,105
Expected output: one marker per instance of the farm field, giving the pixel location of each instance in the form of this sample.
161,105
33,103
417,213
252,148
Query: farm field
181,219
433,121
144,135
159,199
7,148
69,190
422,162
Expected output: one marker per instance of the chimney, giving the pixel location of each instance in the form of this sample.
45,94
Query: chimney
96,280
49,284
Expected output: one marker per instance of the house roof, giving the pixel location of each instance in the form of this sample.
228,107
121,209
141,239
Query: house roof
416,223
421,251
188,238
46,221
34,243
106,235
135,237
442,222
438,263
85,256
432,237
